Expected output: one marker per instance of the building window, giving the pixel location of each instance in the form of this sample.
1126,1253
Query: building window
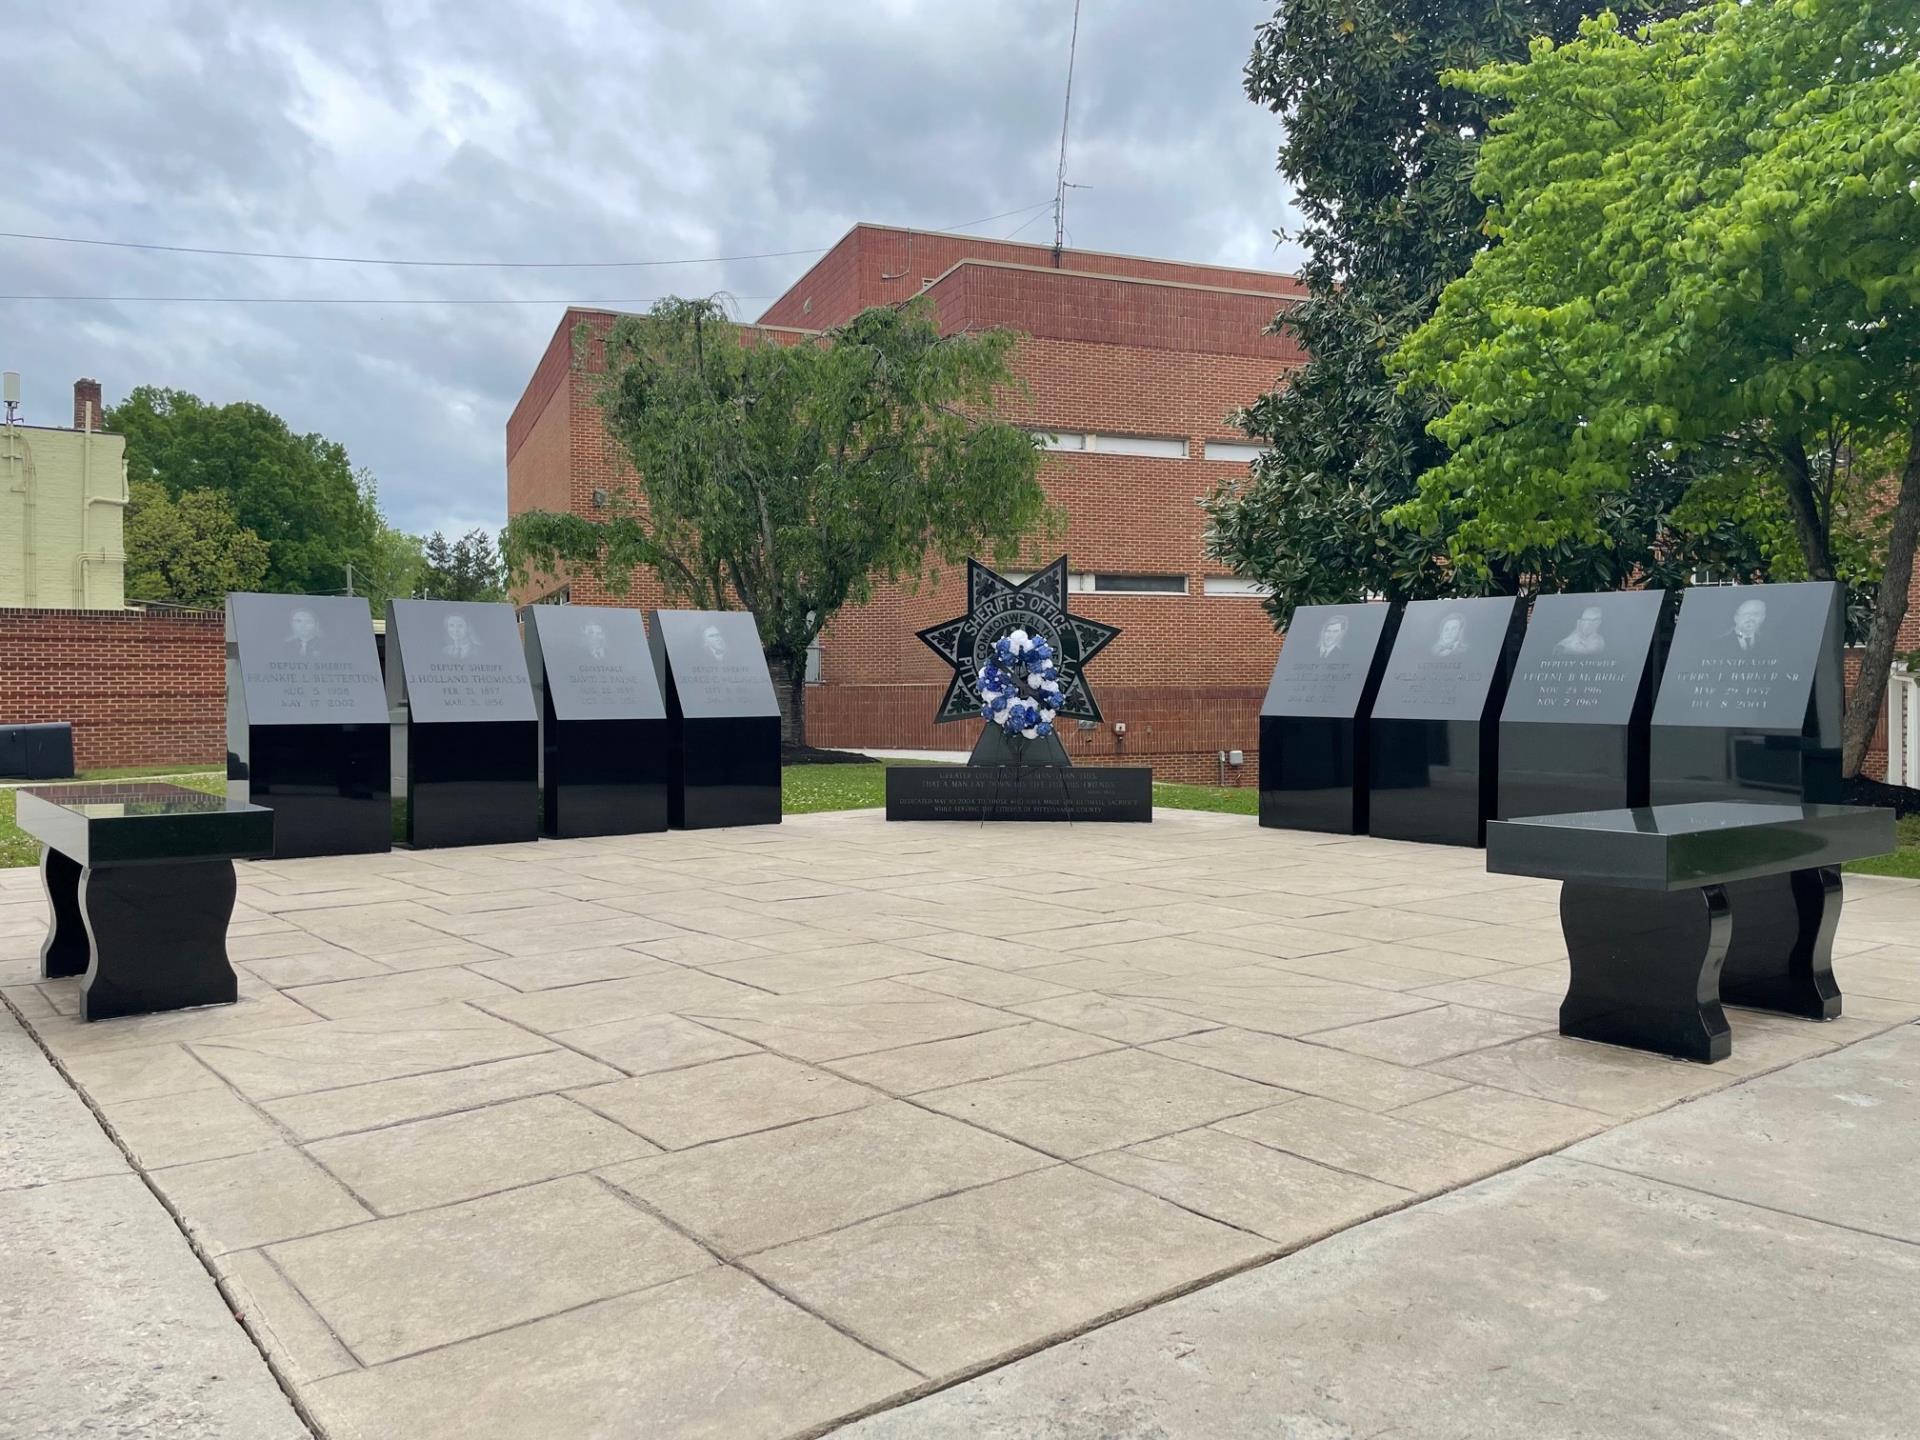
1161,447
1083,583
1235,585
1240,452
1129,584
813,662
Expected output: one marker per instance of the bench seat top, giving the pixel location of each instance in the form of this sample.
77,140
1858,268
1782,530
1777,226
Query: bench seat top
142,823
1682,847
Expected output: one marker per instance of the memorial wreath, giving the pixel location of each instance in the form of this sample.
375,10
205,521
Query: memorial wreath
1020,686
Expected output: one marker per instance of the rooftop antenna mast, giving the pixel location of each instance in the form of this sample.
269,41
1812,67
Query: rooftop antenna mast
1060,176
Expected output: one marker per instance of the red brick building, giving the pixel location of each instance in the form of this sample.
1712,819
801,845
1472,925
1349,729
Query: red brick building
1132,367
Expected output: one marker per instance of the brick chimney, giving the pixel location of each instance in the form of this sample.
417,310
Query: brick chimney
87,393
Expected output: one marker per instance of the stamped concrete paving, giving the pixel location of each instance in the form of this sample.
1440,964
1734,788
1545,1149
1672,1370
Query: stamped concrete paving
108,1324
1745,1266
747,1133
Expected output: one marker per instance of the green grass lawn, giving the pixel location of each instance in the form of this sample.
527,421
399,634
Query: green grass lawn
1904,862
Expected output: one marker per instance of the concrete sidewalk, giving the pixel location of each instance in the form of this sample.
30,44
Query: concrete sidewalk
1744,1265
108,1324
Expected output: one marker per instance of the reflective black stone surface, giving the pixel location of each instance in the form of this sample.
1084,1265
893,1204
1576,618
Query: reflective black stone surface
1671,911
1672,847
723,719
1433,740
307,721
1088,793
467,757
328,785
1750,701
140,889
36,752
471,784
1573,731
1313,723
605,743
1646,969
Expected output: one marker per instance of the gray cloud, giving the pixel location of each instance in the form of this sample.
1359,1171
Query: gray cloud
587,130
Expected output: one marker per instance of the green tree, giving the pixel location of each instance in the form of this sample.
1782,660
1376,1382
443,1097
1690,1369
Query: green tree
789,479
1709,245
463,569
1381,154
394,570
299,493
188,551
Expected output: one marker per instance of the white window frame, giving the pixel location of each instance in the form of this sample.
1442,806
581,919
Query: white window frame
1234,587
1238,452
1151,447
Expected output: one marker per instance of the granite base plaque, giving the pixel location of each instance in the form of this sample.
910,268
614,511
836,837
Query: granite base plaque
1573,732
605,750
1313,725
1121,794
307,725
1433,739
467,755
723,720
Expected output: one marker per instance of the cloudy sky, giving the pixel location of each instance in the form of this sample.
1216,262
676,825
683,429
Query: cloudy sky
577,131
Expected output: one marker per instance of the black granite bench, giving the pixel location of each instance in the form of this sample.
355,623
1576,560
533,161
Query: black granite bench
139,877
1652,898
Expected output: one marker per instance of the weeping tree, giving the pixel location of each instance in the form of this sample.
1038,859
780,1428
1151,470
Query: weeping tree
790,479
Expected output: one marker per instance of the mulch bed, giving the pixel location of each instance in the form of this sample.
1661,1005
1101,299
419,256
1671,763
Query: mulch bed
808,755
1903,800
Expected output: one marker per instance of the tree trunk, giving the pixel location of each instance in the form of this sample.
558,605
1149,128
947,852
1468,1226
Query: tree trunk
790,685
1870,691
1815,544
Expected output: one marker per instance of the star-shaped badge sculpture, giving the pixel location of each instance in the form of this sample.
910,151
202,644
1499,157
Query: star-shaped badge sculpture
995,608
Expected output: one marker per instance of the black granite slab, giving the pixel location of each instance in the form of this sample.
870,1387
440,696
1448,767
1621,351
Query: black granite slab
1573,731
605,741
142,822
1314,721
1750,702
723,718
466,753
140,890
1086,793
307,721
1433,738
1676,847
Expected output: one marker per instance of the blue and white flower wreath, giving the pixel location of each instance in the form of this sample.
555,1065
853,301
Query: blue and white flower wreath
1020,686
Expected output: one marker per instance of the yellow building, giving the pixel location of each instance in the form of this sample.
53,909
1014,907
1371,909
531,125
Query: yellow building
63,495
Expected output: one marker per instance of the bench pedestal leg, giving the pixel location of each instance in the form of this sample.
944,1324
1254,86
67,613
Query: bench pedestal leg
159,938
1781,954
1646,968
65,949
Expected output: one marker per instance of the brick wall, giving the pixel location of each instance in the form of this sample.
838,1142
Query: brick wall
140,687
1110,346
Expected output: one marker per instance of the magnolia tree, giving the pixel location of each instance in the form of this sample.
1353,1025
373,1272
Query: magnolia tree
1707,246
790,479
1380,155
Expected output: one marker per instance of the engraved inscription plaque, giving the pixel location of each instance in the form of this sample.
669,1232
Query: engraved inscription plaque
596,663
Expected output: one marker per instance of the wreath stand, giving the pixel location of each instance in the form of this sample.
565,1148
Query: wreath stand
1001,752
